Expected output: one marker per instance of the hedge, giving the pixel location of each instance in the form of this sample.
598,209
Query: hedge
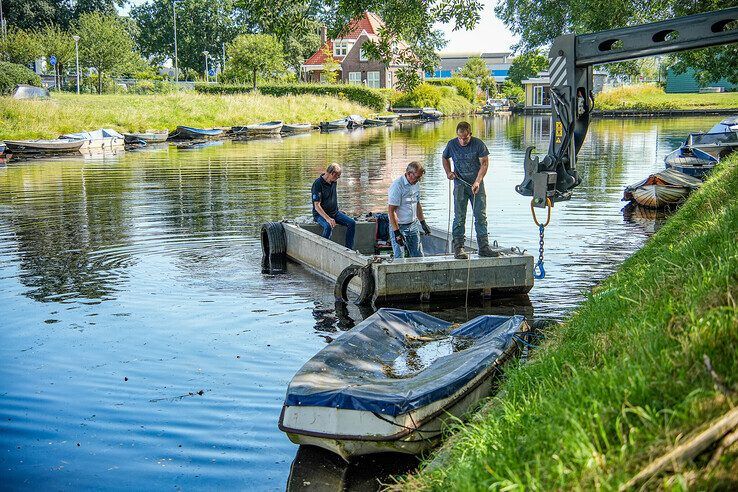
464,88
372,98
12,74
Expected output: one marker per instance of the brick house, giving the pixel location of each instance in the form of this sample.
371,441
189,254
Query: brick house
355,67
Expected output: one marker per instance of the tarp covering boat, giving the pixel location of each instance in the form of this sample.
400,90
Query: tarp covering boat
357,370
25,91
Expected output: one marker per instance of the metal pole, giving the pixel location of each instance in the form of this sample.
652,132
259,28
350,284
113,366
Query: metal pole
176,61
207,77
76,55
223,69
2,20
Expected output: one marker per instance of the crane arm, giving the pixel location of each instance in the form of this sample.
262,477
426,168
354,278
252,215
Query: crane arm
571,87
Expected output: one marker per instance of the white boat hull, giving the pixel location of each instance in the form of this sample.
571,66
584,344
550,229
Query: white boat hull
351,433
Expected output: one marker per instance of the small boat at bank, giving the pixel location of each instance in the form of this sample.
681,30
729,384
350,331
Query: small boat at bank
662,189
720,141
148,137
374,122
102,139
262,129
341,124
430,114
395,380
389,118
355,121
691,161
57,145
191,133
297,127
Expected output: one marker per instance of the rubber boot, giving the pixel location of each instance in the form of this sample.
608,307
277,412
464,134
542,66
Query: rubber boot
459,252
484,249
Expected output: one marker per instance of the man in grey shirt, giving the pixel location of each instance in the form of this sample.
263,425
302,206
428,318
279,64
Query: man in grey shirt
405,213
471,161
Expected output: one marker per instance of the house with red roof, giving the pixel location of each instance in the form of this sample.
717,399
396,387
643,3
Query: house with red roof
356,68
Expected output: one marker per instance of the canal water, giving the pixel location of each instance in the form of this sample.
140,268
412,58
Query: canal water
142,346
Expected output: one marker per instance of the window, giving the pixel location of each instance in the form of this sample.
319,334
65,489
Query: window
362,55
340,48
537,95
372,79
354,78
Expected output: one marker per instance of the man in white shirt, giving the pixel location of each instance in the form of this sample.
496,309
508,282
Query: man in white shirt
405,212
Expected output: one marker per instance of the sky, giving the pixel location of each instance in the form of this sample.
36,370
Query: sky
490,35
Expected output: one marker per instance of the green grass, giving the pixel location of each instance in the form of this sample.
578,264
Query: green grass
622,382
649,97
66,113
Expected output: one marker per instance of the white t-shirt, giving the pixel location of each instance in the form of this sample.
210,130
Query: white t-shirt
406,197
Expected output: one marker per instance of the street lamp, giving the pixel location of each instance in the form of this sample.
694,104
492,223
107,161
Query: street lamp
176,61
76,55
207,78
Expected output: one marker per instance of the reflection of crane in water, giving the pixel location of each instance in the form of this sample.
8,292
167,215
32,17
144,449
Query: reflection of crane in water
571,60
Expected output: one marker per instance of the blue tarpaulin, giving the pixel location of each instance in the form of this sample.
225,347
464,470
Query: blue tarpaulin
352,372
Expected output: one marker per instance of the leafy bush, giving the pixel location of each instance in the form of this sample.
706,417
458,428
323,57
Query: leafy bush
372,98
513,92
445,99
423,95
152,87
12,74
464,88
88,85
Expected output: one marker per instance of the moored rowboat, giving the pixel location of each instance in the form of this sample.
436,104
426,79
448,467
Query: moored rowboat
297,127
668,187
149,137
102,139
334,125
39,146
189,133
393,381
268,128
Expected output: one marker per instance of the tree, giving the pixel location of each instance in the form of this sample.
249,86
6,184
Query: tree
35,14
58,43
104,44
538,23
202,25
250,55
20,46
474,69
526,65
330,66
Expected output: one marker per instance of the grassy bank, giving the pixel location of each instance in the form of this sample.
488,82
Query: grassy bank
623,381
66,113
648,97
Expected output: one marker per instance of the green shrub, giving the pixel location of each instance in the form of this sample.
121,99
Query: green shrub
12,74
513,92
152,87
422,96
372,98
464,88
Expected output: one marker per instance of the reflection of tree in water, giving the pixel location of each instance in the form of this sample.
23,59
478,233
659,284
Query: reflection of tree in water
59,232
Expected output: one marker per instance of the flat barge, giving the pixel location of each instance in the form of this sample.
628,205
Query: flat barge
369,273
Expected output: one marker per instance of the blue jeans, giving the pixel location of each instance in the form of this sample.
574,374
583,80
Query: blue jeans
344,220
411,232
462,197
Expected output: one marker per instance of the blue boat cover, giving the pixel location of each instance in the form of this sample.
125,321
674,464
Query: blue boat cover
351,372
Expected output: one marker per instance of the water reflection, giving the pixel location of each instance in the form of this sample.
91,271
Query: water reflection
146,265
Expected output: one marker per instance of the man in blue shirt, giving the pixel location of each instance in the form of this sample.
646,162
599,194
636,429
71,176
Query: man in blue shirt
405,213
470,157
325,205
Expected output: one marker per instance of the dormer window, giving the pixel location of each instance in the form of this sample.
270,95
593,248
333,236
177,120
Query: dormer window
340,48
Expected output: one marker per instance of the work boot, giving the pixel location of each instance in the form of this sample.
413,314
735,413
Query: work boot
459,252
485,250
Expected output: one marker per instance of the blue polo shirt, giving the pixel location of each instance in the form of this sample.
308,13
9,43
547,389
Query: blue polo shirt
466,158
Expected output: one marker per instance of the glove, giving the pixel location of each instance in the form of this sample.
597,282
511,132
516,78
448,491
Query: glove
426,229
399,238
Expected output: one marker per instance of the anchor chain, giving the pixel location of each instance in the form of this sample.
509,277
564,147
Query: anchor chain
541,229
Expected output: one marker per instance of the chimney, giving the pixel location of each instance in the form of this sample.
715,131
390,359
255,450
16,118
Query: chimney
323,35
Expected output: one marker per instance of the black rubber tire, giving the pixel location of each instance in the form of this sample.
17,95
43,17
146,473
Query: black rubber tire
273,241
364,273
